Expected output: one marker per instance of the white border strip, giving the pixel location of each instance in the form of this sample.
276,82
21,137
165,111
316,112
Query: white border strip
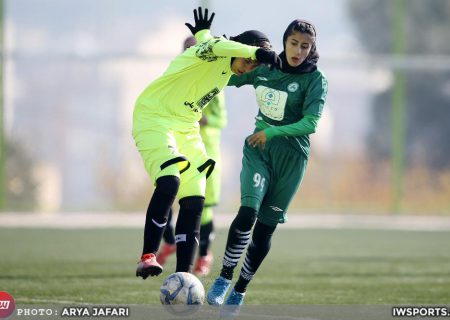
222,220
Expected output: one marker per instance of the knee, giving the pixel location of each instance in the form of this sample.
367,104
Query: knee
262,234
168,185
246,217
192,186
193,203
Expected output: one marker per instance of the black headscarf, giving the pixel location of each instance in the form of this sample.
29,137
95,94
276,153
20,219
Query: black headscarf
310,63
252,38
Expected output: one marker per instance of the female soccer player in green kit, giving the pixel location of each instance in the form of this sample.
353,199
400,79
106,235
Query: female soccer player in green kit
166,132
274,157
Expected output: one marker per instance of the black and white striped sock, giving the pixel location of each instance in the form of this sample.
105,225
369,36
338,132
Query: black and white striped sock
234,251
257,251
238,238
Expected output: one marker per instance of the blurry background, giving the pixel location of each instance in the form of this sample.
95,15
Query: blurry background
71,71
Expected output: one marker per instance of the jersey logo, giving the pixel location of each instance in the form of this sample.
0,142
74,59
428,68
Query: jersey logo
159,225
275,208
292,87
271,102
180,238
189,104
262,78
205,50
207,98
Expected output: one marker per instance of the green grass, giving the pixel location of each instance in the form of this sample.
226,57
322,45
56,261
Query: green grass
304,267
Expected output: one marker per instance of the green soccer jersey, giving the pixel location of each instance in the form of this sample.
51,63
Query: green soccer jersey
289,104
192,79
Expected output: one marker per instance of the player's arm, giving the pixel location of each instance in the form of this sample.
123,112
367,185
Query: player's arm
307,125
228,48
312,110
203,35
221,46
243,79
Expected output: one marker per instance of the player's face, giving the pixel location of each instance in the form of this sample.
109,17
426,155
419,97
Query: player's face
242,65
298,47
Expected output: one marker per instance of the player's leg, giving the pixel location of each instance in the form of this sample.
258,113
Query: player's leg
212,197
155,222
168,247
257,250
163,166
205,256
254,182
286,178
169,235
192,197
287,168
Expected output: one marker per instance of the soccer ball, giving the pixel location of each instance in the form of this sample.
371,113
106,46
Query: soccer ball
182,293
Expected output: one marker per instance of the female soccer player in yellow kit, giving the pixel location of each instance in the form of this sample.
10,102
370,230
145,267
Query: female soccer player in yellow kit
166,132
213,120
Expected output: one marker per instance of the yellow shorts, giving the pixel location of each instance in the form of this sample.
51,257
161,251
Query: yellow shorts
167,151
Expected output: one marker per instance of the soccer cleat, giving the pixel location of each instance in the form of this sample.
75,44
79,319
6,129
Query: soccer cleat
166,251
232,304
148,266
216,294
203,265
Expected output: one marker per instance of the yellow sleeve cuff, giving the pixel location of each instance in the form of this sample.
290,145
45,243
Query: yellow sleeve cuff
203,35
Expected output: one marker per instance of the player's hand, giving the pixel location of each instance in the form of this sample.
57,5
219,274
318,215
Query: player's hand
268,56
258,139
201,21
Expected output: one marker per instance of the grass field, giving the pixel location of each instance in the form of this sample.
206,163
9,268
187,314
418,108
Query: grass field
304,267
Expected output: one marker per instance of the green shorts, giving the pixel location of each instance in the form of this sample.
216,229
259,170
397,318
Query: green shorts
167,151
270,178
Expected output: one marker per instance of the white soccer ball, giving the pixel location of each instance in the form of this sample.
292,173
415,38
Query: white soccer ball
183,292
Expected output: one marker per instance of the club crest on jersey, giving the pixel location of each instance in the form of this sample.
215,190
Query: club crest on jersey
292,87
271,102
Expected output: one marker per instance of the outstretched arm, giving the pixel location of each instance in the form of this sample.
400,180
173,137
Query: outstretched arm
231,48
228,48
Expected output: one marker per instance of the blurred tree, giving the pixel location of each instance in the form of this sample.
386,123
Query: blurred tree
20,185
427,89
